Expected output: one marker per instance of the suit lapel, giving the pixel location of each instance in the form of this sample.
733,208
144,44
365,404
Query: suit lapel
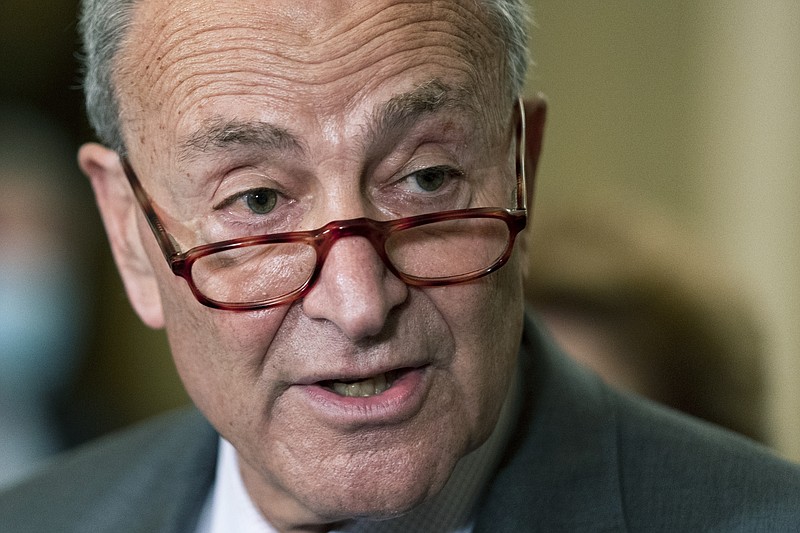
560,472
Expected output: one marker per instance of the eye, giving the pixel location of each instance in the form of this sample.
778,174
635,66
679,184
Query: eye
261,201
432,179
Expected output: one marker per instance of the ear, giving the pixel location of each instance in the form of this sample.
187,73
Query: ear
119,213
535,116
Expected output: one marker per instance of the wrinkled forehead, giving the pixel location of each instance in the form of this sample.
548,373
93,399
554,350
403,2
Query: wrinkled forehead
179,57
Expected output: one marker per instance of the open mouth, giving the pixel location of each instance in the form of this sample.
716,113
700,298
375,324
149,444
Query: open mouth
364,388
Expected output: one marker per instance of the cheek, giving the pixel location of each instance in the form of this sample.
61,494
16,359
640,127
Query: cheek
486,314
219,355
485,320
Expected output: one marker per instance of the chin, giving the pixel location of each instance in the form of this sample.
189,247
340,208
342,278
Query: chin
379,491
371,502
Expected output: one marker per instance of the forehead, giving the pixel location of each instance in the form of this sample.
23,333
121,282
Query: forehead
179,57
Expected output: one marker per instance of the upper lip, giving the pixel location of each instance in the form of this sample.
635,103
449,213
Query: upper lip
354,374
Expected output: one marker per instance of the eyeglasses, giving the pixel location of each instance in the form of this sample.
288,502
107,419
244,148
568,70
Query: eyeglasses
427,250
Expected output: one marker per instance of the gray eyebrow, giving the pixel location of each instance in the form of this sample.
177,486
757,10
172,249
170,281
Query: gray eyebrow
219,134
400,111
396,114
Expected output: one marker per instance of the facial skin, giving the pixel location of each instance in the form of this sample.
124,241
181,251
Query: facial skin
313,91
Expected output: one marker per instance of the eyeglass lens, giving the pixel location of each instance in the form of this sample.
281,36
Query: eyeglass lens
435,250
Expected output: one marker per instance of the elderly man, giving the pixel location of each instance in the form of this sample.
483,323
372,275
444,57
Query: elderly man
319,202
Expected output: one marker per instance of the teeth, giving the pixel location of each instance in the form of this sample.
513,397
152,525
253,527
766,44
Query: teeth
364,388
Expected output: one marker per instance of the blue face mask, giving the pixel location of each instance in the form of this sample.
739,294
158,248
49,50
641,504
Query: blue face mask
41,322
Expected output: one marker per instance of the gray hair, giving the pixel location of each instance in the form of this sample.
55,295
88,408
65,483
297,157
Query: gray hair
104,23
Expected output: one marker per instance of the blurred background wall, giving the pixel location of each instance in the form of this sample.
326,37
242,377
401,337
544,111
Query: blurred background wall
689,107
694,107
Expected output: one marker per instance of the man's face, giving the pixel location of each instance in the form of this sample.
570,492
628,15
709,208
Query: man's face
333,104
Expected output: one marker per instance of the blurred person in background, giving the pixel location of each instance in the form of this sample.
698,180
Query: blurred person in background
647,305
43,296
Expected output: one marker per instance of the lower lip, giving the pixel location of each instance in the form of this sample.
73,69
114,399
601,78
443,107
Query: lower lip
401,401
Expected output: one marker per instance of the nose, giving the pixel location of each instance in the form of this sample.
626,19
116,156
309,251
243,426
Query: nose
355,291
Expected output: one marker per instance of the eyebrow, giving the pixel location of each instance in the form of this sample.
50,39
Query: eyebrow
402,110
396,114
219,134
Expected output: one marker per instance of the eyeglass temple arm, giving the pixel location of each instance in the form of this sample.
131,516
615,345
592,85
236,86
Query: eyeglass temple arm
522,187
164,239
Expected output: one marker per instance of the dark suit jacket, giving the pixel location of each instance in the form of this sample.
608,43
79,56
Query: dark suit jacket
583,458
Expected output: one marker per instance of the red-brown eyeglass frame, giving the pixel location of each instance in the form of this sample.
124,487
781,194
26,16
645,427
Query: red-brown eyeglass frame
322,239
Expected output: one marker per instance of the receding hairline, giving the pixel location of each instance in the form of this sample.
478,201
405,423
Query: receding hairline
105,27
